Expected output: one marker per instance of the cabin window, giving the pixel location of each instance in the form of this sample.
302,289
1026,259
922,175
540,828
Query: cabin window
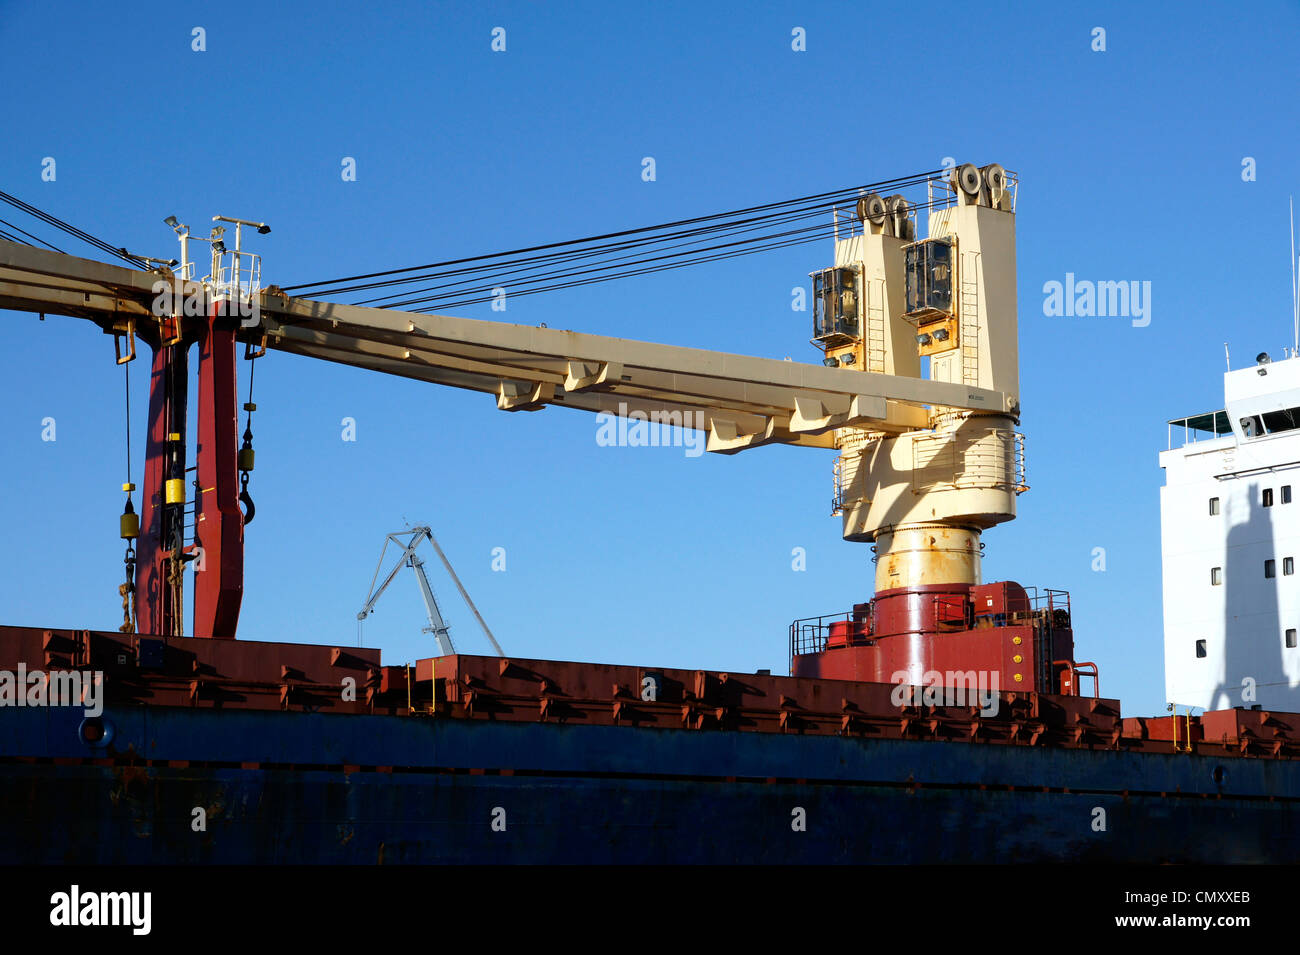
1214,506
1286,493
1290,638
1288,566
1270,568
1216,576
1270,422
1268,497
1200,648
1275,421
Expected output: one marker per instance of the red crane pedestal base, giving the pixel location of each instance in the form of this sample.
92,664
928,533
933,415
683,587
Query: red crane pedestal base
938,635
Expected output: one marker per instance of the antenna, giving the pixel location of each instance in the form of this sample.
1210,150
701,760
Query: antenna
1295,292
1227,358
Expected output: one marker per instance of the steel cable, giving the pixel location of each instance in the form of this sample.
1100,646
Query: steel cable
515,263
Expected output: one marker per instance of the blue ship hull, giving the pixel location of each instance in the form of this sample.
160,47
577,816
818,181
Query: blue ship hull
312,788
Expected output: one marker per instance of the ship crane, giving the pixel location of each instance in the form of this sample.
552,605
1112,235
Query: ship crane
917,389
407,541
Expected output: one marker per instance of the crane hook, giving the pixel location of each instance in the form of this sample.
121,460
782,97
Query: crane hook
246,459
246,499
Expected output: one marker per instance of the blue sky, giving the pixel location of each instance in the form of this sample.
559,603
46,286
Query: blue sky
1131,169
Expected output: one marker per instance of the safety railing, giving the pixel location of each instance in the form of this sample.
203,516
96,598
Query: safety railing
815,634
241,278
1048,599
942,194
951,460
841,482
1202,427
1073,671
852,442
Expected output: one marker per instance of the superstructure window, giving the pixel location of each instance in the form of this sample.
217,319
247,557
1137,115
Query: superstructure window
1288,566
1200,648
1270,568
1290,638
1270,422
1216,576
1287,420
1268,497
1286,493
1214,506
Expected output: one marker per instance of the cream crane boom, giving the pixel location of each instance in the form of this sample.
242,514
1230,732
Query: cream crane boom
925,462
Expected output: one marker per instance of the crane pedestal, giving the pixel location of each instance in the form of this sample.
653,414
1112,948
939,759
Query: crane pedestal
934,634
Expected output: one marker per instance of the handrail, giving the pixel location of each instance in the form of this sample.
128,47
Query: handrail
1081,669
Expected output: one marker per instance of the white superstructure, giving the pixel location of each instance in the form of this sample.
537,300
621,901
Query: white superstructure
1230,542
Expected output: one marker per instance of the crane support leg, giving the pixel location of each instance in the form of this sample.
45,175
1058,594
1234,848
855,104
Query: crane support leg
159,567
218,521
217,556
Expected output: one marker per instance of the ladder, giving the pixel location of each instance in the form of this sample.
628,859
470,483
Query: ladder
968,335
875,302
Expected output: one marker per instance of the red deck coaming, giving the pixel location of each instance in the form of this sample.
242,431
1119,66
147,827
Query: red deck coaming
489,688
204,673
298,677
